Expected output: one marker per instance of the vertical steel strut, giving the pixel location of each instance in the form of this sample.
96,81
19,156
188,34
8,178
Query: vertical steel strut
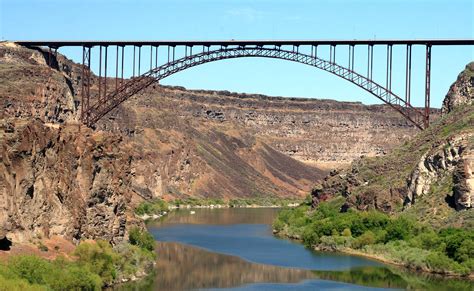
100,71
134,49
123,58
370,62
105,72
408,76
116,68
151,57
139,59
388,81
85,80
427,85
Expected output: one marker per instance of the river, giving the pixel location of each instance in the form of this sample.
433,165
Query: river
233,248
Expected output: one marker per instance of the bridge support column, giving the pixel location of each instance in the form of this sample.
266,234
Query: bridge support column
85,82
427,86
408,76
370,61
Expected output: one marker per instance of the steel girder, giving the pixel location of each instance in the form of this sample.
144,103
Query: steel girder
93,113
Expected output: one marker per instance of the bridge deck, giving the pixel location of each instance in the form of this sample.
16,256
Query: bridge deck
90,43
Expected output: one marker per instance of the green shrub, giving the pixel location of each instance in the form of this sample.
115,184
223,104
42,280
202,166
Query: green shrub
34,273
30,268
310,236
346,232
367,238
16,284
141,238
99,258
132,258
399,228
156,206
439,262
278,225
459,243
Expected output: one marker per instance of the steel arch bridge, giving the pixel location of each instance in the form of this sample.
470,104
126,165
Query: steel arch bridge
107,100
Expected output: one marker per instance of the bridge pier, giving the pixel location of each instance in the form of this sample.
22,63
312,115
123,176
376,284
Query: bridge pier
427,85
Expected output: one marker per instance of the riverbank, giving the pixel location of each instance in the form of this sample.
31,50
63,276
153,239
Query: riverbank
92,265
400,241
157,208
376,257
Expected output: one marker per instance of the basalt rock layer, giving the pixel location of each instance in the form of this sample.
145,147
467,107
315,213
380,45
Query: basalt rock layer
61,178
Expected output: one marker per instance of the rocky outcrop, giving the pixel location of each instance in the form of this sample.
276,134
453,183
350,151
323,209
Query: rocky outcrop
66,181
461,92
31,89
455,157
463,179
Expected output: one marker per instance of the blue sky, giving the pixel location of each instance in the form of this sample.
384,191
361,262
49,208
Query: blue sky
262,19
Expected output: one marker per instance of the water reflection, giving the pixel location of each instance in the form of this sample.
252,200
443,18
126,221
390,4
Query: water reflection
395,277
182,267
219,216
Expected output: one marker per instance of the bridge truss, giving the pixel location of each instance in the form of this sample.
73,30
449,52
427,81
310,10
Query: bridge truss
105,99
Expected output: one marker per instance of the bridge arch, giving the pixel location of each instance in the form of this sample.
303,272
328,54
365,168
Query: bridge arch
95,112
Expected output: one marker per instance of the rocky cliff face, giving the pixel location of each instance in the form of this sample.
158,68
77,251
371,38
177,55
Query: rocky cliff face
455,157
59,177
59,181
323,133
461,92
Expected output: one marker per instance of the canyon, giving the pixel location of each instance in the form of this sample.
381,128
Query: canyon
59,177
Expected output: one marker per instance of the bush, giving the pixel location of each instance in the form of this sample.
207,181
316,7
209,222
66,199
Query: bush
346,232
99,258
459,243
141,238
367,238
399,228
278,225
132,258
156,206
15,284
36,273
439,262
30,268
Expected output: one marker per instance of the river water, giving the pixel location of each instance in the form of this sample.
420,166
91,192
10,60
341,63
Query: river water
235,249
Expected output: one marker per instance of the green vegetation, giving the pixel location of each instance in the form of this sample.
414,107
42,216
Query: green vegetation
263,201
192,201
97,265
397,239
142,239
238,202
153,207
